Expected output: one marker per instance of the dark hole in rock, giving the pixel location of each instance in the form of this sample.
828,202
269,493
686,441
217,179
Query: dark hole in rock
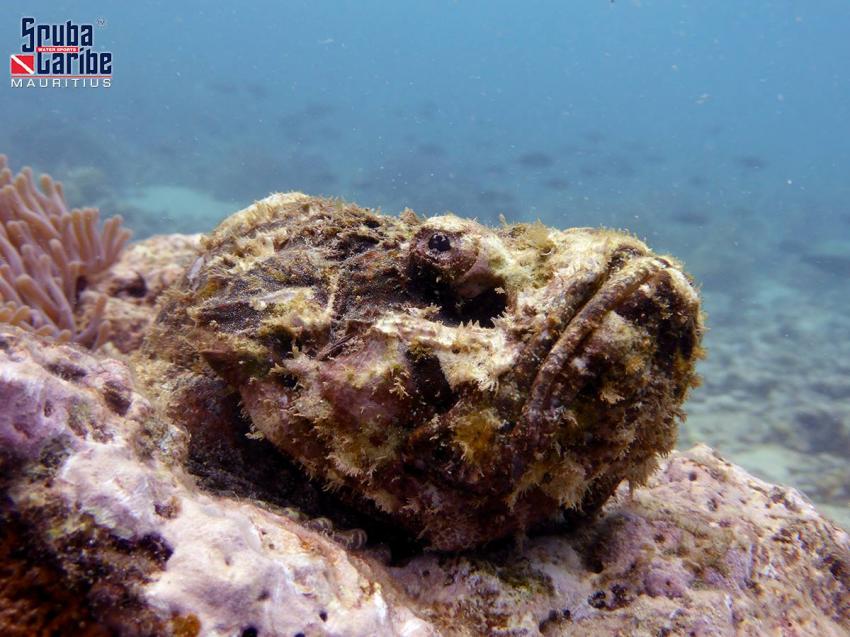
619,596
839,569
53,454
597,599
66,370
151,546
138,288
552,617
593,539
117,396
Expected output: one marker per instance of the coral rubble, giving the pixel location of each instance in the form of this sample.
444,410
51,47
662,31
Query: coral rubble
466,382
48,254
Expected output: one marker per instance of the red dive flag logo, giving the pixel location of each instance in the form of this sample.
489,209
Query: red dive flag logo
22,64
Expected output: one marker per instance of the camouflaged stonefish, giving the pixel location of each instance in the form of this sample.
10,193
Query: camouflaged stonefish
467,382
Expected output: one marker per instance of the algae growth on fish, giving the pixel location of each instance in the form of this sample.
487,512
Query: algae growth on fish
466,382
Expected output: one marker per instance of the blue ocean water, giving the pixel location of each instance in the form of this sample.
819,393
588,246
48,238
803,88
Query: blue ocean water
718,131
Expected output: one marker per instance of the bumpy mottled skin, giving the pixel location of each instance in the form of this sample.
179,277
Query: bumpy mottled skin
468,382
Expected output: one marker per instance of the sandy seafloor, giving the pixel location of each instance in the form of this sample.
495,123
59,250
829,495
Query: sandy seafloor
775,396
776,390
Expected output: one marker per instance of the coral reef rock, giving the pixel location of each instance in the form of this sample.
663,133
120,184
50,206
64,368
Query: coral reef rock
135,281
104,530
468,383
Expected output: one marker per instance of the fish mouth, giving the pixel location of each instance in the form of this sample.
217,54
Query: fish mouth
554,383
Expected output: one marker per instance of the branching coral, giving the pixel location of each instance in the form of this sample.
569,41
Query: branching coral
47,255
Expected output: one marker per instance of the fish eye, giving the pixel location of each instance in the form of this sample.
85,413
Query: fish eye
439,242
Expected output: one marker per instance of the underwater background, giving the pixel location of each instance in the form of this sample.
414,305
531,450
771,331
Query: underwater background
718,132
